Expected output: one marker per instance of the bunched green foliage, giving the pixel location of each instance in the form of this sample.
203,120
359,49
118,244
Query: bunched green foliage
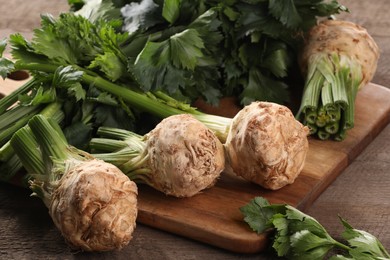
210,49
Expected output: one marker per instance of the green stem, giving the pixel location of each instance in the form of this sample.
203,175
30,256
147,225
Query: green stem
6,152
10,127
10,168
116,133
52,143
332,128
10,99
322,134
310,98
26,147
11,163
102,145
218,124
117,158
326,95
53,111
132,159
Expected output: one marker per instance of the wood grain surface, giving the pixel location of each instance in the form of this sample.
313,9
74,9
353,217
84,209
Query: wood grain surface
361,194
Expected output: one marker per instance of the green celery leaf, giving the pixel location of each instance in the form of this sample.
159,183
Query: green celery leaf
3,45
49,41
171,10
107,99
163,65
185,48
110,39
42,95
208,27
250,19
139,17
281,242
6,67
260,87
258,214
286,12
230,13
110,65
66,76
76,90
277,59
69,78
78,134
307,246
363,243
153,66
113,117
72,39
23,52
96,10
304,222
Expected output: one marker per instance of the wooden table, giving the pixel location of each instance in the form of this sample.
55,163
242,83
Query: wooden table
361,194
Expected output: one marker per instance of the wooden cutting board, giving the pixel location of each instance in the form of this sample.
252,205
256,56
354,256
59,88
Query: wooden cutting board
213,217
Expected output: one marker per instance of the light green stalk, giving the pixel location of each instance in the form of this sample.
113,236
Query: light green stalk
329,95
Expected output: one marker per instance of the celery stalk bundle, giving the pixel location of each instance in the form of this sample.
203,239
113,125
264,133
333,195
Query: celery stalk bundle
10,164
338,59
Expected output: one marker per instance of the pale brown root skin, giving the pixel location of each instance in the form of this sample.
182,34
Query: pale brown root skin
266,145
344,38
95,207
185,157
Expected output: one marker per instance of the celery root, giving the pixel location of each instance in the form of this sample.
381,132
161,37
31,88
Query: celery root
179,157
91,202
266,145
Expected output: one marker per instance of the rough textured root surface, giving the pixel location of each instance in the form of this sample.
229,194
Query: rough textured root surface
95,207
344,38
266,145
185,156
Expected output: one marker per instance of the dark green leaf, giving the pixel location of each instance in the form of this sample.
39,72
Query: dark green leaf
363,243
23,52
113,117
138,17
286,12
307,246
6,67
69,78
304,222
52,43
171,10
110,65
66,76
96,10
257,214
107,99
185,49
281,242
3,45
260,87
78,134
41,95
